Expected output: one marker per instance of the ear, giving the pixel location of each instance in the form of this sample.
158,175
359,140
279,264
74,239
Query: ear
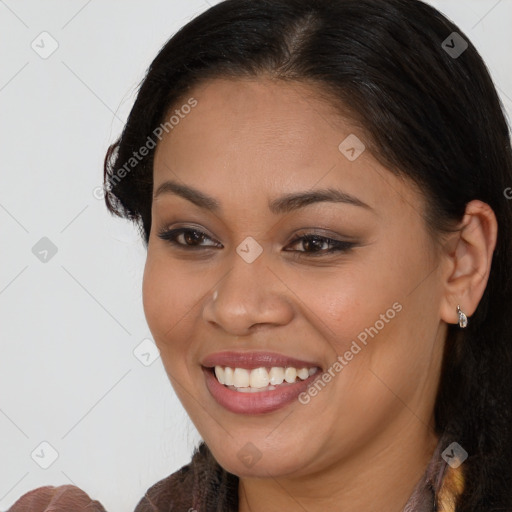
468,259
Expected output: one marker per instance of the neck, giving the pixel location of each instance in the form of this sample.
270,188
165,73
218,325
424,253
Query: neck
380,476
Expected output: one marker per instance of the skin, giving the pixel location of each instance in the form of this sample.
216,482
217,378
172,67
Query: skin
367,437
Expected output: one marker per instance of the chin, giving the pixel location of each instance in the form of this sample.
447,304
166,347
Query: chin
267,466
257,458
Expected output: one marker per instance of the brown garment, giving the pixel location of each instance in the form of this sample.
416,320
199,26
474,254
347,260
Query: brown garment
64,498
203,486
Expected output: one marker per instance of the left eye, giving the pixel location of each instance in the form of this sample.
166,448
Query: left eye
191,239
317,241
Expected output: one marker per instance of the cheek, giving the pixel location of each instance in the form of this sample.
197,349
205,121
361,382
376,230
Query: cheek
342,302
171,297
384,333
169,294
364,312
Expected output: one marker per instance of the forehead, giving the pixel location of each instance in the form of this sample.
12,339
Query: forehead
262,116
273,137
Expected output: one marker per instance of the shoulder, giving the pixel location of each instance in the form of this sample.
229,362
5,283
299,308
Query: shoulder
198,486
176,491
61,498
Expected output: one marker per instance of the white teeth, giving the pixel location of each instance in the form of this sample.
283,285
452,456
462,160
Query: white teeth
260,379
254,390
276,375
219,373
240,378
303,373
290,374
228,376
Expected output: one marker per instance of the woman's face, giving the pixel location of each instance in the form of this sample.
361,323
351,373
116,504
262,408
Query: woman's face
367,316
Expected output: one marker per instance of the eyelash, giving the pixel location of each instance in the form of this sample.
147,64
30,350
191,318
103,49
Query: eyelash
336,245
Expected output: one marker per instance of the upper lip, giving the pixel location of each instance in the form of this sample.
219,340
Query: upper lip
251,360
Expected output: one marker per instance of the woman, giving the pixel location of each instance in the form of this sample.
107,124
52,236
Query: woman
321,189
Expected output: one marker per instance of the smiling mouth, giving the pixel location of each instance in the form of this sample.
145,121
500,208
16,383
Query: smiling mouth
261,379
257,382
246,399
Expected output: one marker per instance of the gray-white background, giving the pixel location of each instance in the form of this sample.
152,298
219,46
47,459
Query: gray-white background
78,369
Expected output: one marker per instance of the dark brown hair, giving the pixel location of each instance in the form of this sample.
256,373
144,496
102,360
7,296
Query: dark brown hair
430,116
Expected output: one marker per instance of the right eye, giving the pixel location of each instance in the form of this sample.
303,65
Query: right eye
191,238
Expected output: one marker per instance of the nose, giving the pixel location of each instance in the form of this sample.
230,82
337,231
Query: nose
248,296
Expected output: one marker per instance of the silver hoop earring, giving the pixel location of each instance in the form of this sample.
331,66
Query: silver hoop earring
463,319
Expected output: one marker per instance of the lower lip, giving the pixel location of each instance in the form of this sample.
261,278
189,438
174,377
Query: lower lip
258,402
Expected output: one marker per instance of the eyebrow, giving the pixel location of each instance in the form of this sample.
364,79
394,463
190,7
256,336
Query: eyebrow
281,205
